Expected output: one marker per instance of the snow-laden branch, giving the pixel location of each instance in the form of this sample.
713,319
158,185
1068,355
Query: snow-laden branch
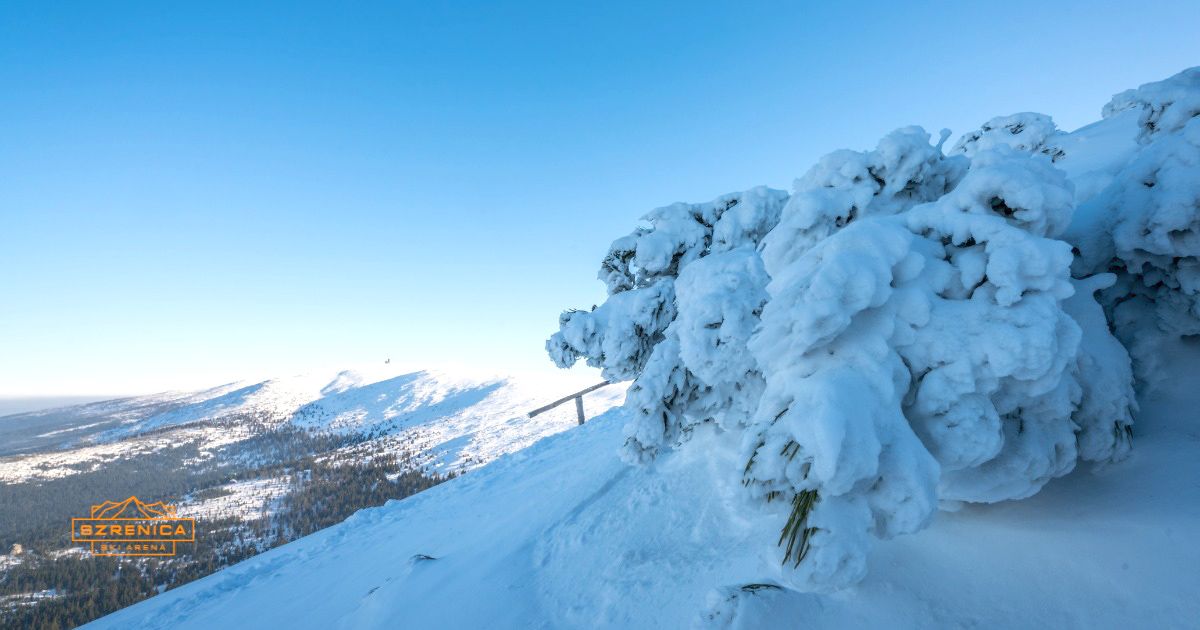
904,329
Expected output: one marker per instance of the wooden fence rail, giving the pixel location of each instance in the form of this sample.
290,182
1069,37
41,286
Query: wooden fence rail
577,397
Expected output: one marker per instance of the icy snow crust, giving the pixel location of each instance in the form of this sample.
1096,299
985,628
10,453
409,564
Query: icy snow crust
908,329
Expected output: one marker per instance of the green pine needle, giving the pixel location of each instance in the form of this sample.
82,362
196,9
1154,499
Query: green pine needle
796,532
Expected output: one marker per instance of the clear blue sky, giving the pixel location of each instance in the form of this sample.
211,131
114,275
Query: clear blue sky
189,195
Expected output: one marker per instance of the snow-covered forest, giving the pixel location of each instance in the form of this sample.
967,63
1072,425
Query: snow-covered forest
912,327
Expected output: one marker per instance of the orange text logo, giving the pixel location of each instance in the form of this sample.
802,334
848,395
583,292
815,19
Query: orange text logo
133,528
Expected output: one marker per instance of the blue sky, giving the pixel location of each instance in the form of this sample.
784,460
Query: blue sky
196,194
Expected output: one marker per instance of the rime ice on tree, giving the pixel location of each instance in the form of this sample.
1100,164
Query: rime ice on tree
904,328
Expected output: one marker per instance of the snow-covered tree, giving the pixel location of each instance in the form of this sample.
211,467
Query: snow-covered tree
1027,131
640,271
1165,106
927,342
904,330
1150,215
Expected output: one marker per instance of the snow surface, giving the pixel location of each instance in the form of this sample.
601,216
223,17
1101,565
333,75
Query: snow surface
564,534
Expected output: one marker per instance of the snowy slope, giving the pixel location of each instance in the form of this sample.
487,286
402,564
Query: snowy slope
564,534
463,420
449,419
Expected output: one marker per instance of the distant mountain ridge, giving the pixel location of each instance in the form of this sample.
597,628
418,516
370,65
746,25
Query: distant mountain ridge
453,418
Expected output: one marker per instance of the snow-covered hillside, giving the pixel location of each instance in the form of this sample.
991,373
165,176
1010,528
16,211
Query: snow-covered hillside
925,388
451,419
564,534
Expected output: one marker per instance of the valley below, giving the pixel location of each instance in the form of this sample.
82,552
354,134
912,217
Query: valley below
256,465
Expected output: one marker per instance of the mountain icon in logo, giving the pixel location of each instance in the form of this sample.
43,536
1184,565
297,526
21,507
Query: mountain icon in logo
133,508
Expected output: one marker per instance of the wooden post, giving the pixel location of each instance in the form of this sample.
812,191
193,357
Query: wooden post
578,396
